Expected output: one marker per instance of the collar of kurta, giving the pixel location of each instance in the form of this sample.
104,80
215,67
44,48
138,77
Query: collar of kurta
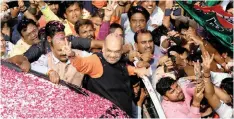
25,46
71,26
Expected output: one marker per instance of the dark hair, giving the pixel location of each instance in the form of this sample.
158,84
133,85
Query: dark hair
43,38
204,105
176,48
52,2
157,33
98,13
82,22
164,85
42,34
138,9
227,85
141,2
182,26
22,26
195,56
53,27
114,26
230,5
142,31
66,4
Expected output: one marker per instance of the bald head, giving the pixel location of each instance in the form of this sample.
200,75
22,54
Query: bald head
114,39
112,49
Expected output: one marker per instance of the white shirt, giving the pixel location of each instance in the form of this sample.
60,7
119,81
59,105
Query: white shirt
224,111
41,65
9,47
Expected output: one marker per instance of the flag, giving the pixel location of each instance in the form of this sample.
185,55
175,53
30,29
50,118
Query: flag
213,19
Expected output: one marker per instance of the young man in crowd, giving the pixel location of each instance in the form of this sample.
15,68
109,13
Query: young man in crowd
72,13
85,28
136,18
180,102
29,32
54,7
145,46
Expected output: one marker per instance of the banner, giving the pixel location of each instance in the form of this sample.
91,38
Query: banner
214,20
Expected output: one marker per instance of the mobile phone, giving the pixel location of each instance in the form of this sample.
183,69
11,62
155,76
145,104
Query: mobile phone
177,12
193,48
12,4
173,59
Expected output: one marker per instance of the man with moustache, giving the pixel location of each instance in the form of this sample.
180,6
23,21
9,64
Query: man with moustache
57,64
145,46
108,75
85,28
137,16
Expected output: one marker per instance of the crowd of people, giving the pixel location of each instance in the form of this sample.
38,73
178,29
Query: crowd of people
108,46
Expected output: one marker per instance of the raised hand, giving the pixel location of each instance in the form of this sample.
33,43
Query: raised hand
142,97
147,56
207,59
34,3
127,48
132,54
197,70
39,2
3,6
21,4
141,64
67,49
109,10
198,94
141,72
191,34
169,64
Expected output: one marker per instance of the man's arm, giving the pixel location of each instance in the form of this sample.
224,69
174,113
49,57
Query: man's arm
84,43
88,65
35,52
167,13
140,72
105,27
46,11
213,99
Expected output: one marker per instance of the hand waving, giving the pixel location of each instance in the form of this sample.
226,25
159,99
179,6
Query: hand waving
197,69
207,61
198,93
109,10
67,48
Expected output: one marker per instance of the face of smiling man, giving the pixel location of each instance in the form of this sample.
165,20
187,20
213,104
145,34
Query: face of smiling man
149,5
30,34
